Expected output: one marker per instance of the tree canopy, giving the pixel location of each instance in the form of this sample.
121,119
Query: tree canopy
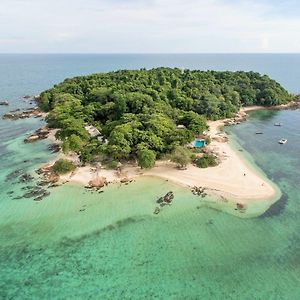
139,110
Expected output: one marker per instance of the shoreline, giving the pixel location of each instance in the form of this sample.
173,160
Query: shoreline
234,182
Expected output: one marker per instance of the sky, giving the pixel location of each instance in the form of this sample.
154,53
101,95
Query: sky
149,26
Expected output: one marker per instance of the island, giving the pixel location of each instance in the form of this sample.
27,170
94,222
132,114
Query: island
164,122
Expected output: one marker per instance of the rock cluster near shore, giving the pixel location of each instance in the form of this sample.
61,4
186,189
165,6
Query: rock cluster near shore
48,176
237,119
37,192
28,113
39,134
291,105
163,201
199,191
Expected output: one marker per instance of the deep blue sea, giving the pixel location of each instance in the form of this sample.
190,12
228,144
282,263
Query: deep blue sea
116,248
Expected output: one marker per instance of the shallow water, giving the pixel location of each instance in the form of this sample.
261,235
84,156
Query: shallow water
78,244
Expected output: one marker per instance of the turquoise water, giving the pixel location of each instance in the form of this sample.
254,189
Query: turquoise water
83,245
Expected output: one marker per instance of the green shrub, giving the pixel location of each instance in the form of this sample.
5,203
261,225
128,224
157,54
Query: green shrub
63,166
193,156
207,140
207,160
181,156
146,158
112,164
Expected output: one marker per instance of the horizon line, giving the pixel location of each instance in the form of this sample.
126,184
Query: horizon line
144,53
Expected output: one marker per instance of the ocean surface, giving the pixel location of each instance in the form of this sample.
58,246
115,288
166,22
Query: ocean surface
88,245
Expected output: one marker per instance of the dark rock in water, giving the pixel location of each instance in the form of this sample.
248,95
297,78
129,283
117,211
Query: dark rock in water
160,200
198,191
4,103
54,148
37,193
88,187
13,175
28,187
40,134
210,222
156,210
42,183
240,206
165,200
168,197
25,178
42,196
53,185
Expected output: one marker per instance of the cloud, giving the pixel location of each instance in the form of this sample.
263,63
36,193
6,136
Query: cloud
149,26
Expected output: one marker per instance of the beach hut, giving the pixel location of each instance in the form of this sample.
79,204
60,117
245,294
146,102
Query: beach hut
93,131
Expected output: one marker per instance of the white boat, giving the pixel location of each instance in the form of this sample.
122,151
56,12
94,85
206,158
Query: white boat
282,141
278,124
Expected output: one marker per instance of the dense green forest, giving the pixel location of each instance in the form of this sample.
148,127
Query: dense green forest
138,111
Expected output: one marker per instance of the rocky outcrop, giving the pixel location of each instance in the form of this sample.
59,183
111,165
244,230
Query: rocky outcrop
291,105
40,134
237,119
54,148
25,178
47,175
31,191
38,193
17,114
163,201
166,199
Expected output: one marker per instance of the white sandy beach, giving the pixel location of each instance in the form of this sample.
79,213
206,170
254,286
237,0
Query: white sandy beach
233,179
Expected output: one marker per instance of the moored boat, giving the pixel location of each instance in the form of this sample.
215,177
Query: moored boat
278,124
282,141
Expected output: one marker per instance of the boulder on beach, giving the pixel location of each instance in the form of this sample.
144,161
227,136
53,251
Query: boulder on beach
98,182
